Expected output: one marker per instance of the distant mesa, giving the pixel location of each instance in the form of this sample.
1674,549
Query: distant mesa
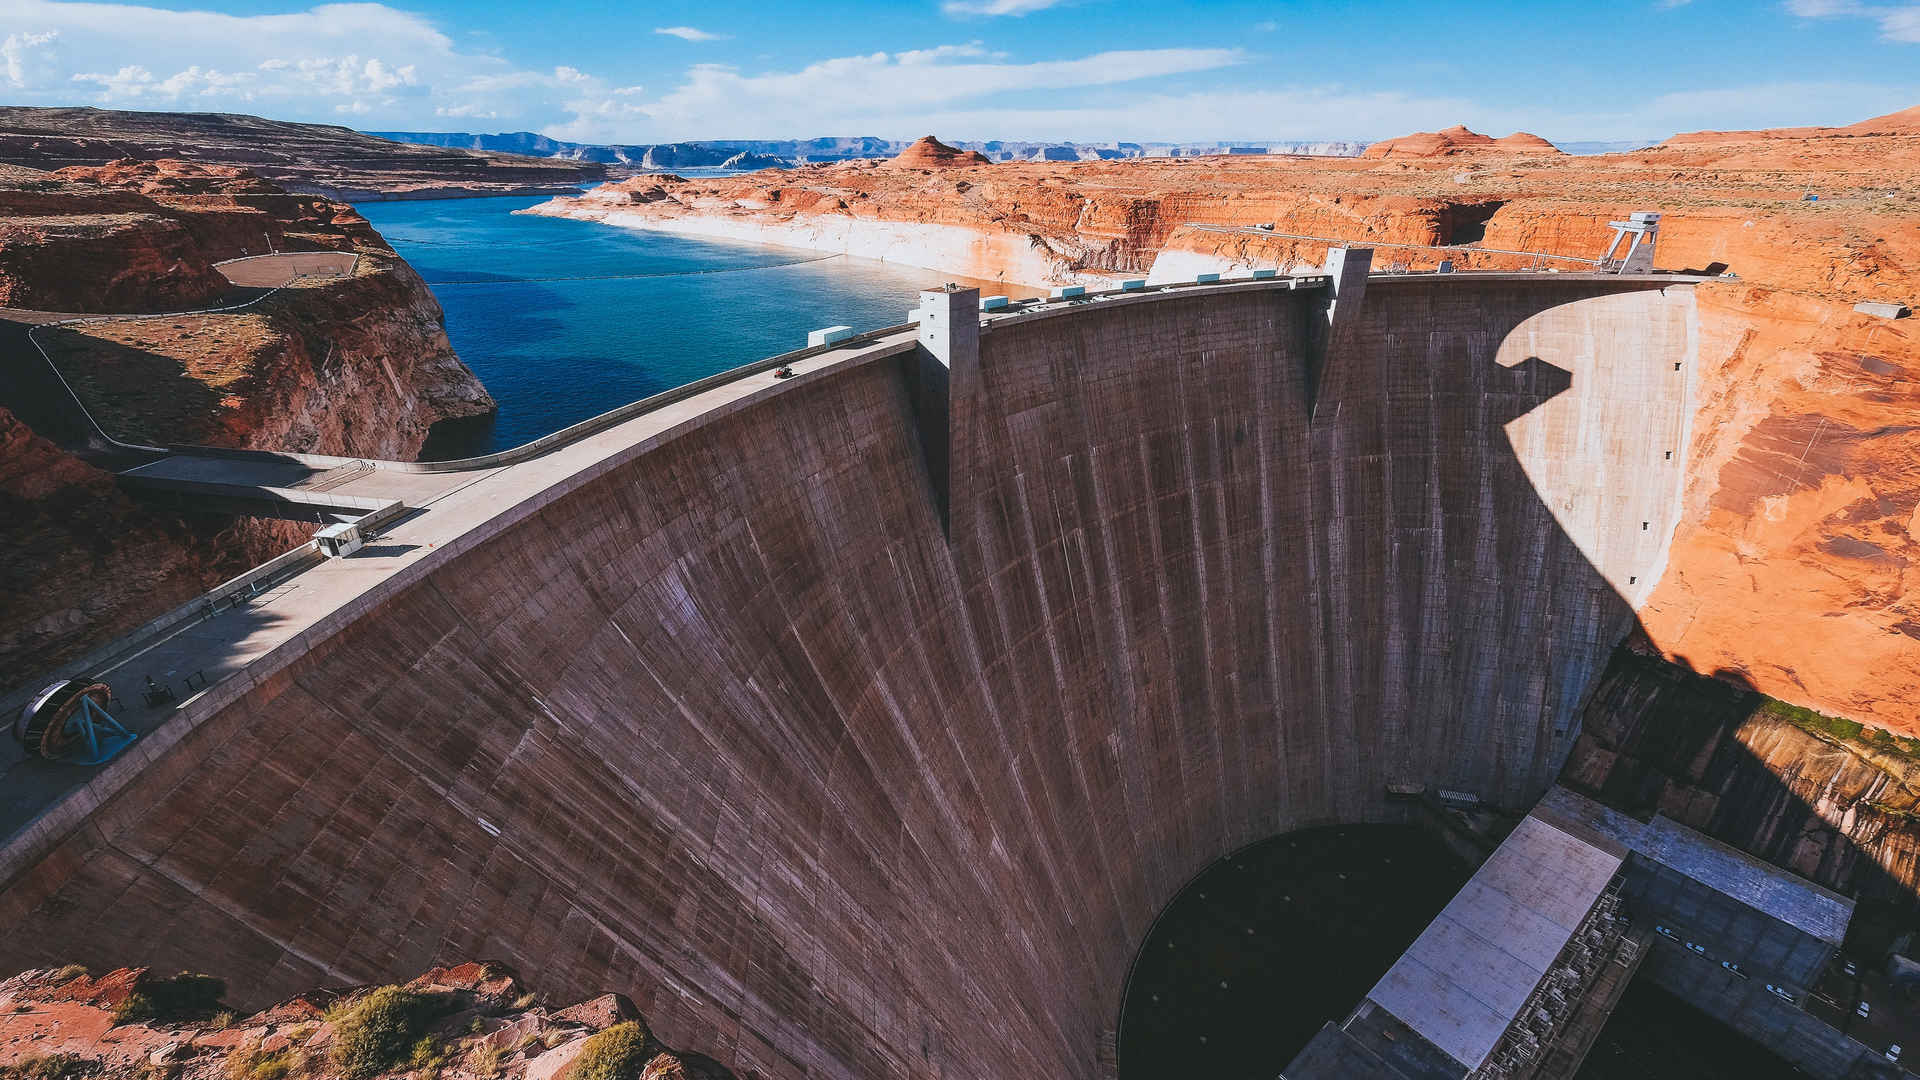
747,160
1904,122
1455,140
928,152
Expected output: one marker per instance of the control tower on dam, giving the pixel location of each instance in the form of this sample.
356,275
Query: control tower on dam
859,723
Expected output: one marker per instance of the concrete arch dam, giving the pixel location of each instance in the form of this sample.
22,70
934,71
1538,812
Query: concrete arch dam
736,719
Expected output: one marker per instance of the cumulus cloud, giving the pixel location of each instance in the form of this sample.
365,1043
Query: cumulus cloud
1898,22
28,60
690,33
883,90
388,69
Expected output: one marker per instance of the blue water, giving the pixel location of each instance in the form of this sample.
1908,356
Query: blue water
563,320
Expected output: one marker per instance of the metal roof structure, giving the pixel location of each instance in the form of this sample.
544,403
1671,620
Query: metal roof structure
1765,888
1780,894
1464,981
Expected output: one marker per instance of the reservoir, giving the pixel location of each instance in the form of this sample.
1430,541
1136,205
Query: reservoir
564,320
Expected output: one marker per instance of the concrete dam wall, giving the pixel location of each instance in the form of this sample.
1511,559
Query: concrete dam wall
836,786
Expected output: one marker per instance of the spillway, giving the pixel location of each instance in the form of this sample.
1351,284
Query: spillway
840,774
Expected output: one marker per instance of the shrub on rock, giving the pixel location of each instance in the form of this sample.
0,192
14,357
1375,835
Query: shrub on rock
618,1053
379,1031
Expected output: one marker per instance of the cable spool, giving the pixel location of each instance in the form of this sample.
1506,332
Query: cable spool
68,721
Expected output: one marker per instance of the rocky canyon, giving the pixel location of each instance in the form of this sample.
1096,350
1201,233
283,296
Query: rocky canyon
356,364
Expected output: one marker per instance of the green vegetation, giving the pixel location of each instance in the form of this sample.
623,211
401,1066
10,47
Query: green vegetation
429,1054
50,1067
618,1053
257,1064
381,1030
1841,730
485,1060
186,996
70,972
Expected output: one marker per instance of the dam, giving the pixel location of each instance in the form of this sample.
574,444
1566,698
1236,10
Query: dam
860,723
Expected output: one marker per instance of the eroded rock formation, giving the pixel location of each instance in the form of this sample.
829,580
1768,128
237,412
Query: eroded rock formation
930,153
315,158
1827,799
1457,140
470,1022
358,365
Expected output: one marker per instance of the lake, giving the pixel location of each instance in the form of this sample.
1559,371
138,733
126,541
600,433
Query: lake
564,320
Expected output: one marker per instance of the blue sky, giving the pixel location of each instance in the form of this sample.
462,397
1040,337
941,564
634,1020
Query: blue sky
1087,70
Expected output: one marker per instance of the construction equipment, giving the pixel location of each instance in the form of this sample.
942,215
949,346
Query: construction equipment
69,722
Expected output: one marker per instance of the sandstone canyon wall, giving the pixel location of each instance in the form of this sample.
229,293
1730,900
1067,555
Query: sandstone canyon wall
1829,800
353,366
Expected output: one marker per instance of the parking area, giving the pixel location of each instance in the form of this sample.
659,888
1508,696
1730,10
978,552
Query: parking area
1890,1019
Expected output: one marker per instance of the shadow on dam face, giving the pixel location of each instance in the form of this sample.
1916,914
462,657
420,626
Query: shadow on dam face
735,726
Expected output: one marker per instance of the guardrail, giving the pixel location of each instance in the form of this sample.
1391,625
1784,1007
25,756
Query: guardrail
566,435
594,425
229,594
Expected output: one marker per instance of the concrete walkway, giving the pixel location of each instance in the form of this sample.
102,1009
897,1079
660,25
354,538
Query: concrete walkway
452,506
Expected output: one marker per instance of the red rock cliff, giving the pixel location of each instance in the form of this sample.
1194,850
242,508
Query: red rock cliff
357,365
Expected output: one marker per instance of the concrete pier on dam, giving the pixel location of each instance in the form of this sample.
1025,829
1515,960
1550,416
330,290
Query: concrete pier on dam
858,724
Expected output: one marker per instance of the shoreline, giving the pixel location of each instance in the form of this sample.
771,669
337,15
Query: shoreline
365,195
1008,258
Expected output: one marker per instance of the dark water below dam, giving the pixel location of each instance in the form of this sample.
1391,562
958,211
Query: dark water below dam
563,320
1272,942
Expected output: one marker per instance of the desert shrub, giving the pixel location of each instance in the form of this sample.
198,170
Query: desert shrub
379,1031
186,996
50,1067
221,1020
258,1064
136,1008
484,1060
618,1053
70,972
428,1055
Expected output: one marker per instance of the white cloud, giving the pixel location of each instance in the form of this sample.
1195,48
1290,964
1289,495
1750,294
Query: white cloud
888,92
1267,26
996,7
1899,22
389,69
690,33
358,59
28,60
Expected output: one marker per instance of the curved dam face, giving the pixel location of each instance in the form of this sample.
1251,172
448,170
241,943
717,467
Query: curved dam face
738,724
